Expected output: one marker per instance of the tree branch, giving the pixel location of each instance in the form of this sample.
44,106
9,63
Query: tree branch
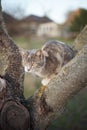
81,40
13,115
49,101
11,67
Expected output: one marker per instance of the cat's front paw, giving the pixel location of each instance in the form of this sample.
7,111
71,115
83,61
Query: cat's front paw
45,82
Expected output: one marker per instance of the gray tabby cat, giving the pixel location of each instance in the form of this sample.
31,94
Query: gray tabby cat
47,61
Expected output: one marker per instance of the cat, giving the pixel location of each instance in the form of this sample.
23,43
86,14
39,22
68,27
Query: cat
47,61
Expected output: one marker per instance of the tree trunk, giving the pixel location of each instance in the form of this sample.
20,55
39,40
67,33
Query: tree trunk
48,102
13,115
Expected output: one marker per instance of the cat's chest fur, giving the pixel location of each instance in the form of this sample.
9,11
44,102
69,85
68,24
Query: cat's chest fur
47,61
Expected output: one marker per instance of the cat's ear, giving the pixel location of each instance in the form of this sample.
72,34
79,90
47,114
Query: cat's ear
39,53
45,53
22,51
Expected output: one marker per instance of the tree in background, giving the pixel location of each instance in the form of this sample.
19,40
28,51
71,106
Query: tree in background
79,21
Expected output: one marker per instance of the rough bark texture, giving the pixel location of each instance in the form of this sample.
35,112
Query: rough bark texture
48,102
81,40
10,60
13,115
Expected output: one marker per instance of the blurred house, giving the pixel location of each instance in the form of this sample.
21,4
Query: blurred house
49,29
35,26
32,26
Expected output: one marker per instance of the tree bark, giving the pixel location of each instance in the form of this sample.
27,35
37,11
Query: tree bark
81,40
13,115
48,102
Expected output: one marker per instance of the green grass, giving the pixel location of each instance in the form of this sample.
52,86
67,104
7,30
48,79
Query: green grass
36,43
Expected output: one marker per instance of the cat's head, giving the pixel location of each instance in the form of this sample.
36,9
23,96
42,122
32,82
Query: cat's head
33,60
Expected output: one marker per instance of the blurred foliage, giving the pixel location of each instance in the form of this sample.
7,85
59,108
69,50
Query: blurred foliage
79,21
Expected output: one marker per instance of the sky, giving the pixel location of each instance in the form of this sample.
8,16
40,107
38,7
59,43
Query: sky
55,9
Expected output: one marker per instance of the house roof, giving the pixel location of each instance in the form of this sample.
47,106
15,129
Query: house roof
37,19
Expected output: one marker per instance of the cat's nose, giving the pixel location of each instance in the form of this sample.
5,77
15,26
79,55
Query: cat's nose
28,69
